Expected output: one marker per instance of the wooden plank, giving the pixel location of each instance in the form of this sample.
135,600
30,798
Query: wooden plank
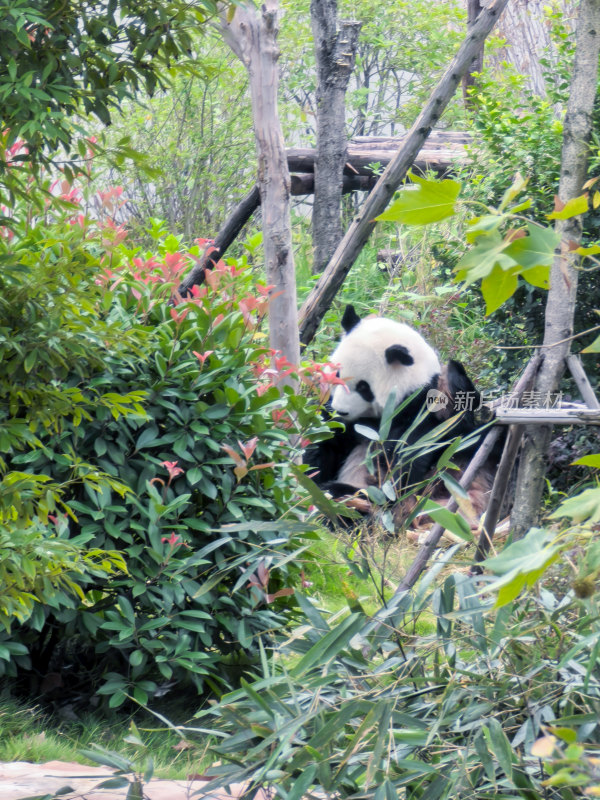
548,416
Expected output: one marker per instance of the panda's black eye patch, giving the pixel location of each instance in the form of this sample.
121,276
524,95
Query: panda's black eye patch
364,390
398,354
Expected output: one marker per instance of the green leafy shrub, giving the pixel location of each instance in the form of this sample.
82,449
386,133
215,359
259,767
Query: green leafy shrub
199,493
52,339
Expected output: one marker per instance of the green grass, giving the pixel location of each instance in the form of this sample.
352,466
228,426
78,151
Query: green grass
27,733
345,568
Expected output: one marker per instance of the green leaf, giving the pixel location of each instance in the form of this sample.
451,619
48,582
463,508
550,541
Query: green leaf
108,758
518,185
522,563
117,699
594,347
330,508
136,791
452,521
500,746
536,249
30,360
330,645
479,226
367,432
573,207
497,287
303,783
566,734
479,262
113,783
588,461
147,436
538,276
582,507
592,250
423,202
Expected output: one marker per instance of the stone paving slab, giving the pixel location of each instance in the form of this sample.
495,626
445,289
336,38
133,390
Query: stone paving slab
20,779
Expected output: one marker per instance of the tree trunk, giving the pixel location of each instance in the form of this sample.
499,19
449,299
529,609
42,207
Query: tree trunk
349,248
252,35
525,27
335,50
560,305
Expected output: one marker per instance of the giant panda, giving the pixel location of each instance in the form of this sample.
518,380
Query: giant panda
378,356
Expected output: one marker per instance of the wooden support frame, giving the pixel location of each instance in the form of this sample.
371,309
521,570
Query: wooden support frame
479,459
588,414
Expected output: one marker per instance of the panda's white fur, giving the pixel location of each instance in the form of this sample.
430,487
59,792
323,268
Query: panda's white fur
361,356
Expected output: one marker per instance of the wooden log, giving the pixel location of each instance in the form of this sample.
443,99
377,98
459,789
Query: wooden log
501,480
302,159
437,139
335,42
548,416
305,184
224,238
505,468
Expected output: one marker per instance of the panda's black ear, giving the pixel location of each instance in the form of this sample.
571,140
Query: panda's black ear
398,354
350,319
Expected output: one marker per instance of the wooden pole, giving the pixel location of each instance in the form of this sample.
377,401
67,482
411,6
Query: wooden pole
301,185
347,251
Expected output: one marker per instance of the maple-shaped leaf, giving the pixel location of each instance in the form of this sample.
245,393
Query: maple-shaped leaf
536,249
584,506
480,260
423,202
498,287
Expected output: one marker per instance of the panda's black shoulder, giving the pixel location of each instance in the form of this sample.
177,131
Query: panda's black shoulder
407,414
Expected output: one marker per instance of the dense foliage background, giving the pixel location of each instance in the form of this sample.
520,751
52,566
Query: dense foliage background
157,536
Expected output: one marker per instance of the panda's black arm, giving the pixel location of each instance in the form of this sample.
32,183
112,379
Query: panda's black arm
327,457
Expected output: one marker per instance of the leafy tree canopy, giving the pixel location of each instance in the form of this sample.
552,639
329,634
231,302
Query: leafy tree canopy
63,59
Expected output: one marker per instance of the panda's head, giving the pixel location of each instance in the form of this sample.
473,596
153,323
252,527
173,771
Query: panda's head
375,357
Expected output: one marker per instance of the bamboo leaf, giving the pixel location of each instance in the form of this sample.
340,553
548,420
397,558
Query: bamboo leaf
330,645
500,746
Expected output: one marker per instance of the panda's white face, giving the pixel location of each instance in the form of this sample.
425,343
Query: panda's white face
378,356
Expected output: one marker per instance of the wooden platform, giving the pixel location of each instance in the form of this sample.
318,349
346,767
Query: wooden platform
442,152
